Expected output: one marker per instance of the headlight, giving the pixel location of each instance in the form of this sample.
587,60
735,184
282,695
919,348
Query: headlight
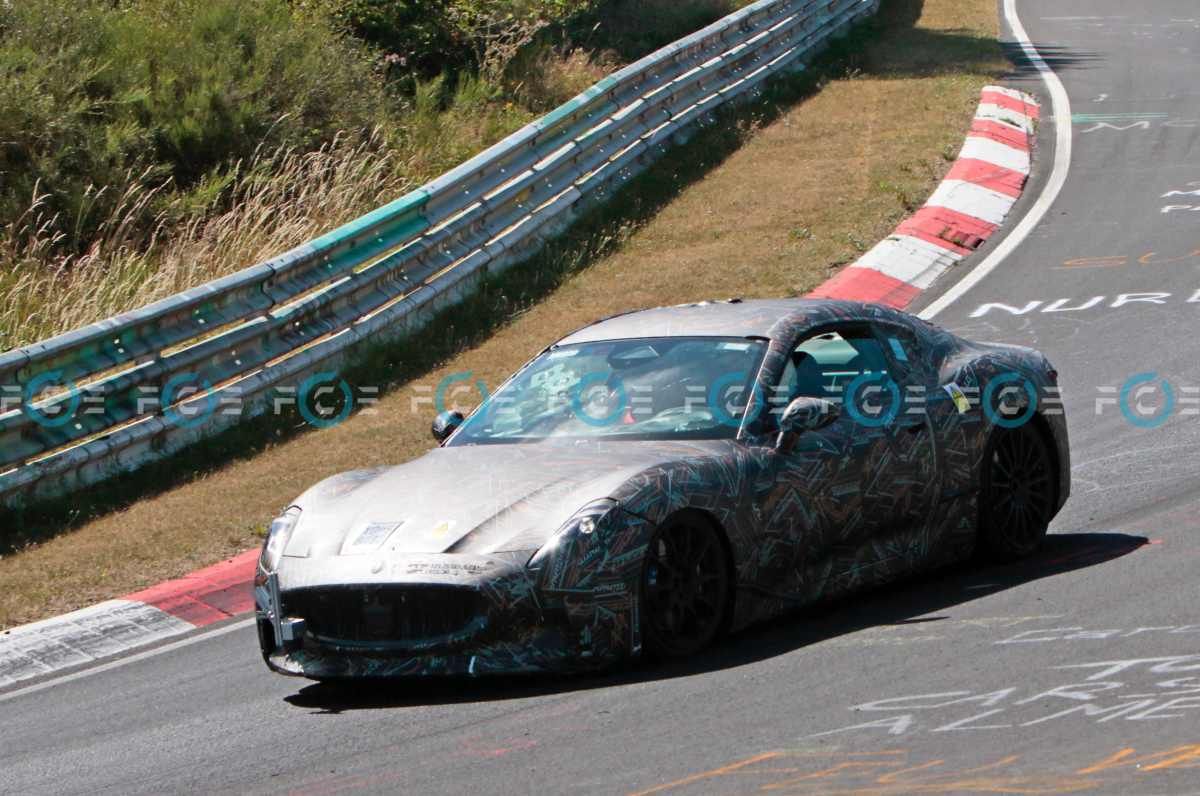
588,517
277,538
583,523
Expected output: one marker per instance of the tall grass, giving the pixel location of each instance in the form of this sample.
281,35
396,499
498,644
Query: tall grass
259,207
277,197
101,221
127,94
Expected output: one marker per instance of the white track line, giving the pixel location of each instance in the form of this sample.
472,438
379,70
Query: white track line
1062,163
1062,160
141,656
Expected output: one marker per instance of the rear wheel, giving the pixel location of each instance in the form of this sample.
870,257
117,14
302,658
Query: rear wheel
685,588
1017,495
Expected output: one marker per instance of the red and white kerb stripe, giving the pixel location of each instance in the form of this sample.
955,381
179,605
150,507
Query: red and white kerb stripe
965,210
136,620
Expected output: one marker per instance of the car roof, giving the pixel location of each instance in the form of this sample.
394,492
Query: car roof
769,318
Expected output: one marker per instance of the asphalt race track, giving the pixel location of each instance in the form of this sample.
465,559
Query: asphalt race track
1077,671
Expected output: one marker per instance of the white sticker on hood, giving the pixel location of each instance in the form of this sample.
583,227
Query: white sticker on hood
371,537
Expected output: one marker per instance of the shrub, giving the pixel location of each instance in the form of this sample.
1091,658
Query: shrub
420,32
432,36
99,93
150,145
633,28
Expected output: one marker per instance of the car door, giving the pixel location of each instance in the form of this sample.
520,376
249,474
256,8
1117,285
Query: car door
828,497
912,476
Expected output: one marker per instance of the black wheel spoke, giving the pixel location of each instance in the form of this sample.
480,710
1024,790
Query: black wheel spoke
686,601
1018,491
665,566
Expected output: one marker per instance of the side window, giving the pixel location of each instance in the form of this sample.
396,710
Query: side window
826,364
823,365
905,357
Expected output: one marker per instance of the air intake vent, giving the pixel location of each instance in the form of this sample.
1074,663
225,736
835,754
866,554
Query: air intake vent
387,617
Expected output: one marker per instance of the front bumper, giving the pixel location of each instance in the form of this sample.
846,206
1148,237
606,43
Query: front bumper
547,654
519,622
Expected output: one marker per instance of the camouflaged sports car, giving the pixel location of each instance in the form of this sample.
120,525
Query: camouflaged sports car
660,477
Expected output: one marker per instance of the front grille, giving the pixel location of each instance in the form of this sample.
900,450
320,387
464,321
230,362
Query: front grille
386,616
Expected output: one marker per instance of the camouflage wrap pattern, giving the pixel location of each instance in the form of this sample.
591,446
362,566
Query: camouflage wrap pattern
854,504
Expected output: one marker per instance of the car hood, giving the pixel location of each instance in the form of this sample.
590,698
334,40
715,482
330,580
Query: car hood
478,499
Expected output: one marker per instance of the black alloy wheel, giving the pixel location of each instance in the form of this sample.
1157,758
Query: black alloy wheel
1018,493
685,588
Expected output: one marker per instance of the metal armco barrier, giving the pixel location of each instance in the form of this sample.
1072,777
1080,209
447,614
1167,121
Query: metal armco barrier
144,384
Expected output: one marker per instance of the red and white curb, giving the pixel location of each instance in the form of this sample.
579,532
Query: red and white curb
965,210
136,620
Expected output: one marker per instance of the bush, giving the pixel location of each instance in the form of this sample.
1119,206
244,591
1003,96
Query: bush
633,28
147,146
433,36
420,32
108,94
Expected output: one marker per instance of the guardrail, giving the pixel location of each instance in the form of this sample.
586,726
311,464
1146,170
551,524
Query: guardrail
117,387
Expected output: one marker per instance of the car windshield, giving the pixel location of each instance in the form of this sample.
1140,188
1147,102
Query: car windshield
651,388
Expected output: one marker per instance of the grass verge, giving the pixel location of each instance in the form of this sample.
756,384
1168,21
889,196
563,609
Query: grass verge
133,167
769,201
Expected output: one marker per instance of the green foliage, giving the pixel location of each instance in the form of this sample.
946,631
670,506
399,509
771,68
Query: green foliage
499,29
426,37
633,28
150,145
99,98
420,33
118,95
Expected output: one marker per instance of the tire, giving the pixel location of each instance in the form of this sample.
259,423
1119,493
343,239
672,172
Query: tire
1018,491
686,588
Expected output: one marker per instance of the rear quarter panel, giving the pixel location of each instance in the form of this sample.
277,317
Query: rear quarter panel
989,373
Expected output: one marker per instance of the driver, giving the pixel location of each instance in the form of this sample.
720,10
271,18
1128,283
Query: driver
673,381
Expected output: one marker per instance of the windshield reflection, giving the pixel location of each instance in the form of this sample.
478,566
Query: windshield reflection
651,388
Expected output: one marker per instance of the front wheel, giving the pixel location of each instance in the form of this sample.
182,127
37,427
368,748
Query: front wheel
685,588
1017,493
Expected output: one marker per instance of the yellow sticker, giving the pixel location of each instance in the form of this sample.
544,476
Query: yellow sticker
960,398
443,528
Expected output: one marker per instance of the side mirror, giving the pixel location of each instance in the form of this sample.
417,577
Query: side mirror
445,424
804,414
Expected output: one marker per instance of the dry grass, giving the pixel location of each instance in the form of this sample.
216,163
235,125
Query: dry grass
820,183
278,198
158,239
550,75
